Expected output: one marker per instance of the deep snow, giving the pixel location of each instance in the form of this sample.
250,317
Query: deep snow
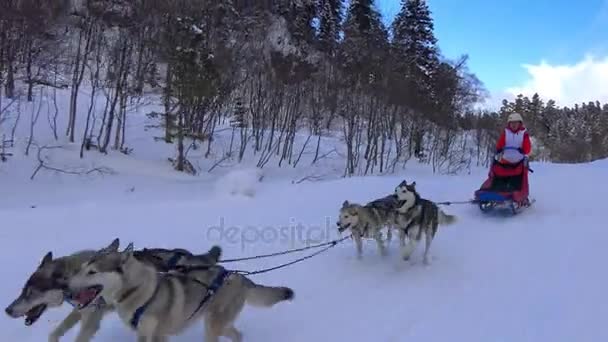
534,277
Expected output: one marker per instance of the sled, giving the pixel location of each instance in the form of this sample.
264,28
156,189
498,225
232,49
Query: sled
505,188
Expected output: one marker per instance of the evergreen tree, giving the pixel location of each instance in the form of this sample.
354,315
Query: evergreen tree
416,52
365,42
330,19
303,13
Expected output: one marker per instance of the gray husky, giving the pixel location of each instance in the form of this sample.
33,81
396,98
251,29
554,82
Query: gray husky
47,287
367,221
159,305
425,216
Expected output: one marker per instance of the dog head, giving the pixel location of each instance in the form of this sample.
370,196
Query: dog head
161,258
210,258
349,216
102,276
44,289
406,193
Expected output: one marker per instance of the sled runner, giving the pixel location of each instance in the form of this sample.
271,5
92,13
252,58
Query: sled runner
506,187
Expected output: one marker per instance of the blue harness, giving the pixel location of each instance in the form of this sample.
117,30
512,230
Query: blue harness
140,311
211,289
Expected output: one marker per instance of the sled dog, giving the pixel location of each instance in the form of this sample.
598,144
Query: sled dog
47,287
369,219
159,305
425,215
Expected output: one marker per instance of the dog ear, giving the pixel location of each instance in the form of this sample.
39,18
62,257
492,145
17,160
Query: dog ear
345,204
112,247
127,252
46,259
215,252
413,185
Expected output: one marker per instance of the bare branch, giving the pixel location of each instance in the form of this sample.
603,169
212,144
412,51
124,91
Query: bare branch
7,107
42,164
310,178
227,156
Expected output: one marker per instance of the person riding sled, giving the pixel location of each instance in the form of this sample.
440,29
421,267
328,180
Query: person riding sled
507,181
514,142
513,147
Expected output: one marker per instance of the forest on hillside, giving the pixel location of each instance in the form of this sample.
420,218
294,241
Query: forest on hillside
273,69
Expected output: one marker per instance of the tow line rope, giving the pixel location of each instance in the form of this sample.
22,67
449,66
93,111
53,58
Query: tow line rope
457,202
329,245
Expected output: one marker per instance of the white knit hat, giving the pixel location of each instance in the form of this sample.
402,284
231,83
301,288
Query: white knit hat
515,117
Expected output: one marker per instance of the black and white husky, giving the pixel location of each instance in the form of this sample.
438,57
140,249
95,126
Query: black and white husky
425,215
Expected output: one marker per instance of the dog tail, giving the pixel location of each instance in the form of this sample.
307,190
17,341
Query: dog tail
445,218
267,296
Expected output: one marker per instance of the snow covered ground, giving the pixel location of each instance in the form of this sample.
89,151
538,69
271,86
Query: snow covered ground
534,277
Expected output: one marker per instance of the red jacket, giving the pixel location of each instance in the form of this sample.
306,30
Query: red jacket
526,145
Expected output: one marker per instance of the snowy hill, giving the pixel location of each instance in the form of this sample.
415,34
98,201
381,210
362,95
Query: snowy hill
534,277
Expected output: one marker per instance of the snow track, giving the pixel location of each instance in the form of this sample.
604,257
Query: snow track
534,277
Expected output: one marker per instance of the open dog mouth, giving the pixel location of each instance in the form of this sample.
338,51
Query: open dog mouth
343,228
32,316
85,297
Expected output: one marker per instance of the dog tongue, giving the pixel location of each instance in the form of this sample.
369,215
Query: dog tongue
85,296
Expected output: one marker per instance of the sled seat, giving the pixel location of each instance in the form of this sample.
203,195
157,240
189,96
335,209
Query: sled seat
490,196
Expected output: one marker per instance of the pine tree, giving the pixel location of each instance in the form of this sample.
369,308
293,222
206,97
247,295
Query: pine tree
303,13
330,19
221,20
416,52
365,41
416,67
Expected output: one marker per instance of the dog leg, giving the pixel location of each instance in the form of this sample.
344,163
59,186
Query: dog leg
359,244
427,247
402,235
233,334
378,238
68,323
91,322
411,244
389,235
213,329
429,238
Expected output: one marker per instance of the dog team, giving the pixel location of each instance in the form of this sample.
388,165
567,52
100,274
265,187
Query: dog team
160,293
404,210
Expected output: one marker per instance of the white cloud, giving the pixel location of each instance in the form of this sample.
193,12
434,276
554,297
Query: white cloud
584,81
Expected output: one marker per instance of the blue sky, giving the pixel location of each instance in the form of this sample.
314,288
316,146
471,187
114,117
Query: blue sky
501,37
